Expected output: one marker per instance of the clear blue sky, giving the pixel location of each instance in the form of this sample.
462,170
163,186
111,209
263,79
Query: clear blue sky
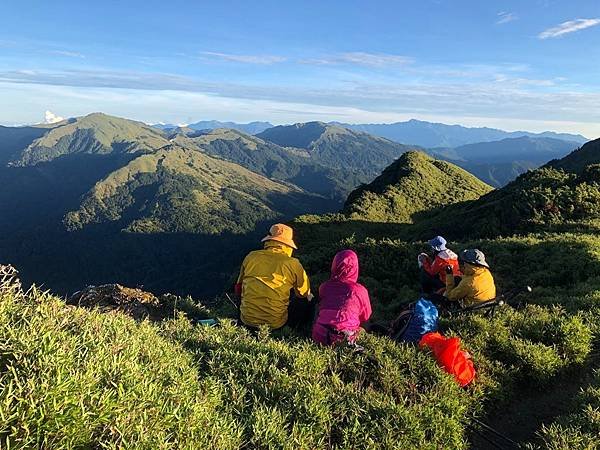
521,64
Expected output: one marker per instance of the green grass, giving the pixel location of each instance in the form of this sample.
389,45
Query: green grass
71,378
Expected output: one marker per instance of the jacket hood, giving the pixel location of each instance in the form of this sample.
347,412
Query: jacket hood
278,247
471,269
345,266
447,254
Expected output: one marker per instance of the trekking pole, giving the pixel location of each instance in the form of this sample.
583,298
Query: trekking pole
488,439
231,301
495,432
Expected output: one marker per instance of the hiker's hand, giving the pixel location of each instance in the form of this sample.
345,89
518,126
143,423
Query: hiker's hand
310,297
421,259
449,270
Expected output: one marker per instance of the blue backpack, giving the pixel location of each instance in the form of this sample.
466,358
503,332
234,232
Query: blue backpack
421,318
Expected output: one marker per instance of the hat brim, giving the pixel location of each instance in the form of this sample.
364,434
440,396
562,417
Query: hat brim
480,264
287,242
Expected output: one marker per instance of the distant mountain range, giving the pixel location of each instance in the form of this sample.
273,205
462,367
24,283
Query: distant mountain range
413,132
495,156
249,128
499,162
431,135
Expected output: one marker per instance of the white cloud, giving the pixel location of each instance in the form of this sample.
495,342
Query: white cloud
505,17
246,59
568,27
50,117
361,59
67,53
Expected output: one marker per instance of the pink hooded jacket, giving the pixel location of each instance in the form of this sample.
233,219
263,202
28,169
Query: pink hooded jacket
344,303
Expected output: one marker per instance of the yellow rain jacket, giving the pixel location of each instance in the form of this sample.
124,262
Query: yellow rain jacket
267,276
477,285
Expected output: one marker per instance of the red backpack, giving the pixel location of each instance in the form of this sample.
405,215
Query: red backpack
448,354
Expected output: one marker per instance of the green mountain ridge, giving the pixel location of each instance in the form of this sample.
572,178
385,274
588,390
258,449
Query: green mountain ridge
95,133
412,184
338,147
288,164
578,160
101,191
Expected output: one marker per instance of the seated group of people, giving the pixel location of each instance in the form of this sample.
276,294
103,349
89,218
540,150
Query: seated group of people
268,276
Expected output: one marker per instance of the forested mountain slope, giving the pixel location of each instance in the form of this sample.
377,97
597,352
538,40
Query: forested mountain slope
293,165
337,147
181,190
548,196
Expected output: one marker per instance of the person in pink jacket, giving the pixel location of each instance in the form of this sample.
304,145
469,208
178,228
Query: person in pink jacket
344,303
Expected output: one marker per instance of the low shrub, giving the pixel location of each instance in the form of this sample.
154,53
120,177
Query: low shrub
526,346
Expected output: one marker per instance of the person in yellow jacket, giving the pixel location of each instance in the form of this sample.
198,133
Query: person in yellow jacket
477,283
266,278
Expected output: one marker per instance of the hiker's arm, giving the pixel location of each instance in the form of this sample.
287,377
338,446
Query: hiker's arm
366,310
427,265
302,284
454,292
438,266
238,284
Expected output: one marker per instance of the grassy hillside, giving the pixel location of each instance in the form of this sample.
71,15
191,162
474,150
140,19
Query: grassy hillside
337,147
93,134
413,184
179,190
77,378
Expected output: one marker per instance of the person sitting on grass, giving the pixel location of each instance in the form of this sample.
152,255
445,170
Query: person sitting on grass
344,303
477,283
266,279
433,272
